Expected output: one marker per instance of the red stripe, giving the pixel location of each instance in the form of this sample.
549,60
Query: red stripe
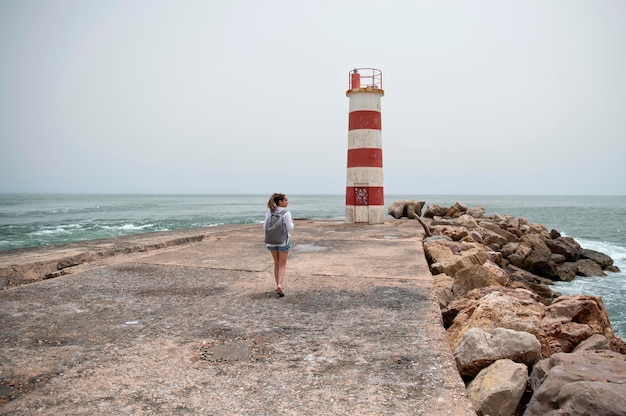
365,195
365,157
364,119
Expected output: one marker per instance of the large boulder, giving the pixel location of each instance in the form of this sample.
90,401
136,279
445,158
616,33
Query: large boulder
449,257
500,307
595,342
456,210
406,208
493,240
476,276
534,229
456,233
541,263
590,268
567,271
495,228
467,221
479,349
435,210
539,259
516,253
497,390
476,212
565,246
536,243
602,259
582,383
570,320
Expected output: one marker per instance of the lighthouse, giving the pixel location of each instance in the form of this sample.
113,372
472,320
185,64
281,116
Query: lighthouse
365,199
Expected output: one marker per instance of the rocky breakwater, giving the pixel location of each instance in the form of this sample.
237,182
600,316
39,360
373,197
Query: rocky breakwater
521,347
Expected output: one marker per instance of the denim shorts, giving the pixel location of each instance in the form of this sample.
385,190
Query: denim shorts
280,248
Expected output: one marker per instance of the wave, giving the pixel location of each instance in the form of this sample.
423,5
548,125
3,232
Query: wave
55,231
127,227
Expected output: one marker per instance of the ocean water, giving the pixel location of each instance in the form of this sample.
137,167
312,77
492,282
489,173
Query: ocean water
30,220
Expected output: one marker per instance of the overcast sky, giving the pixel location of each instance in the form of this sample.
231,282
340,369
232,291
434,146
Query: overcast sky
186,96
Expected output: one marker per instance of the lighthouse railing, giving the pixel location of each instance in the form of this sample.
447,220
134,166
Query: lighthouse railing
369,78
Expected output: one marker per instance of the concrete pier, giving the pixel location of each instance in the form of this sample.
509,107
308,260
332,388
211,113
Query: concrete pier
188,323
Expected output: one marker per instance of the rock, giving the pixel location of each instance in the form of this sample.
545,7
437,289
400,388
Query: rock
546,295
600,398
537,284
469,278
452,310
435,210
454,232
567,271
539,373
582,383
501,307
516,253
494,228
404,208
456,210
476,276
476,212
595,342
602,259
452,222
534,229
500,219
540,262
443,289
496,258
557,259
565,246
396,209
437,238
475,236
590,268
467,221
536,243
450,257
479,349
570,320
513,223
492,239
497,390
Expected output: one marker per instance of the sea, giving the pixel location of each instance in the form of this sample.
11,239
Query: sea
32,220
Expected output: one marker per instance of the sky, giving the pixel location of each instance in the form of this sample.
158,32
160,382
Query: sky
248,97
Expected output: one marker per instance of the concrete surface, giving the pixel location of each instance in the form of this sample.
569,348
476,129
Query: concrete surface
195,327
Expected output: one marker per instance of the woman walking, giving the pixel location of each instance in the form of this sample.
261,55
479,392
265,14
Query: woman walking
278,204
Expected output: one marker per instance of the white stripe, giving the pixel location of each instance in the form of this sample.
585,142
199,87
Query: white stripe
372,214
364,101
364,176
365,138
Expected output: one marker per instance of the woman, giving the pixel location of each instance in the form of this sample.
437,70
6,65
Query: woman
278,203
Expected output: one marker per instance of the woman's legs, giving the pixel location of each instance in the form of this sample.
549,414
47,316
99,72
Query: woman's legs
280,267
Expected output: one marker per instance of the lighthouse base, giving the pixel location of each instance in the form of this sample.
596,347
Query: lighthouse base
369,214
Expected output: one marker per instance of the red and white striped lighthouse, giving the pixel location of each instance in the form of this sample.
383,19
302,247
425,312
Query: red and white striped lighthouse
365,199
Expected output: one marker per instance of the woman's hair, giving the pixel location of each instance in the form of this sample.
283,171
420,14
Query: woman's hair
273,202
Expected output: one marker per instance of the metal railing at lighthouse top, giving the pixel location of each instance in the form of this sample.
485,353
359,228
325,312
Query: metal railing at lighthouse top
365,79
